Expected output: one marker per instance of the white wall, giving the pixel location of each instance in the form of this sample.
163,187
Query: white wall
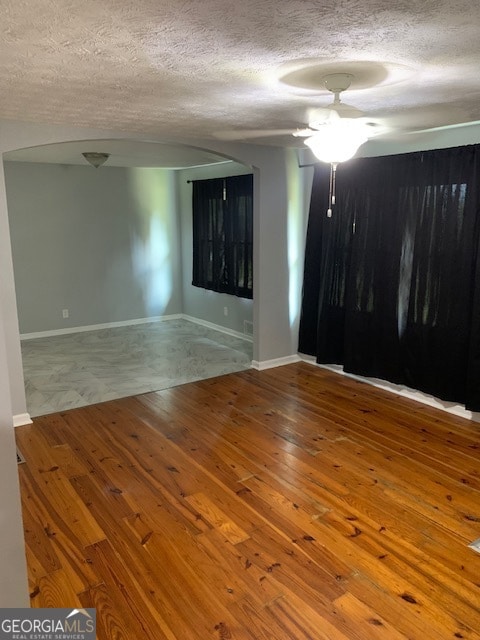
102,243
200,303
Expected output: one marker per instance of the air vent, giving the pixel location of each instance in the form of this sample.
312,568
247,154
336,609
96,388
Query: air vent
248,328
20,458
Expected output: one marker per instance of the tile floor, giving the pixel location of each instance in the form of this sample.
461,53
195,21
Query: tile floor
75,370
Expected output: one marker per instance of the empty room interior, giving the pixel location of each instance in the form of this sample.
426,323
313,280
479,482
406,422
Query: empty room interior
239,319
99,256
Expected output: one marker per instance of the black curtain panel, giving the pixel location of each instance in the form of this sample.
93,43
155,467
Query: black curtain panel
239,234
223,235
392,279
208,234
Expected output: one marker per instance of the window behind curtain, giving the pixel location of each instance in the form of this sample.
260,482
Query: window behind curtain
392,280
223,235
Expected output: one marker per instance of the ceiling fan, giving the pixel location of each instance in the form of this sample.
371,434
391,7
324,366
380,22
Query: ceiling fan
334,133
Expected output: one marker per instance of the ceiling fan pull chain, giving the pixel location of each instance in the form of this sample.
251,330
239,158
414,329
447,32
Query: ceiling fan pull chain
331,195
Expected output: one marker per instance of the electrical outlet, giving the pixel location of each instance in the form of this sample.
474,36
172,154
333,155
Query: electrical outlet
225,311
65,313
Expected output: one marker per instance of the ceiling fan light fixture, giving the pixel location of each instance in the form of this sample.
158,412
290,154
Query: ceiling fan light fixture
338,140
95,158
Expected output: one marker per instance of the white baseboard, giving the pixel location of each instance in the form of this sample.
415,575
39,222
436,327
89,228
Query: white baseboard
97,327
21,419
126,323
217,327
406,392
276,362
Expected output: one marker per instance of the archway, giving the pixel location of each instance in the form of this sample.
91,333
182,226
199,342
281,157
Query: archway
138,281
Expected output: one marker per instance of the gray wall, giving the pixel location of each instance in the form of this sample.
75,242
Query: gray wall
13,581
13,577
200,303
102,243
115,244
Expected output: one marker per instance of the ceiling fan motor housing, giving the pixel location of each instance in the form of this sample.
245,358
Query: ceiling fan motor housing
337,82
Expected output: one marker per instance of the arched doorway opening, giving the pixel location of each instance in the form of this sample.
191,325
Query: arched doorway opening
97,251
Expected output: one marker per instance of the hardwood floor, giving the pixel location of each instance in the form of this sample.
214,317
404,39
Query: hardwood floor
292,503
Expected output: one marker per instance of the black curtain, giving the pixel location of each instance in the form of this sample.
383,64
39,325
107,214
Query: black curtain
208,234
392,281
223,235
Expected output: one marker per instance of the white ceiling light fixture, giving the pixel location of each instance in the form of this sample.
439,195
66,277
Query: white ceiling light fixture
95,158
338,138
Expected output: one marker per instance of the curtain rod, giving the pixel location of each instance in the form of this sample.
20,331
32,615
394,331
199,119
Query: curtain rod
300,166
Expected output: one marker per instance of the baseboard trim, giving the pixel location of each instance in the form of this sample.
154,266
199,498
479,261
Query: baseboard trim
217,327
405,392
276,362
21,419
97,327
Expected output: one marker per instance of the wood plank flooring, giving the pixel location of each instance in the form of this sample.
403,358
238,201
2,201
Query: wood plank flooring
292,503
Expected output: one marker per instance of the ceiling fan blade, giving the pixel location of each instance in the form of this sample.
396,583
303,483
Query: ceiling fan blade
304,133
345,110
334,112
244,134
444,127
409,135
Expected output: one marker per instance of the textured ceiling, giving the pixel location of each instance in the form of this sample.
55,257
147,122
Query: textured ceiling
191,68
